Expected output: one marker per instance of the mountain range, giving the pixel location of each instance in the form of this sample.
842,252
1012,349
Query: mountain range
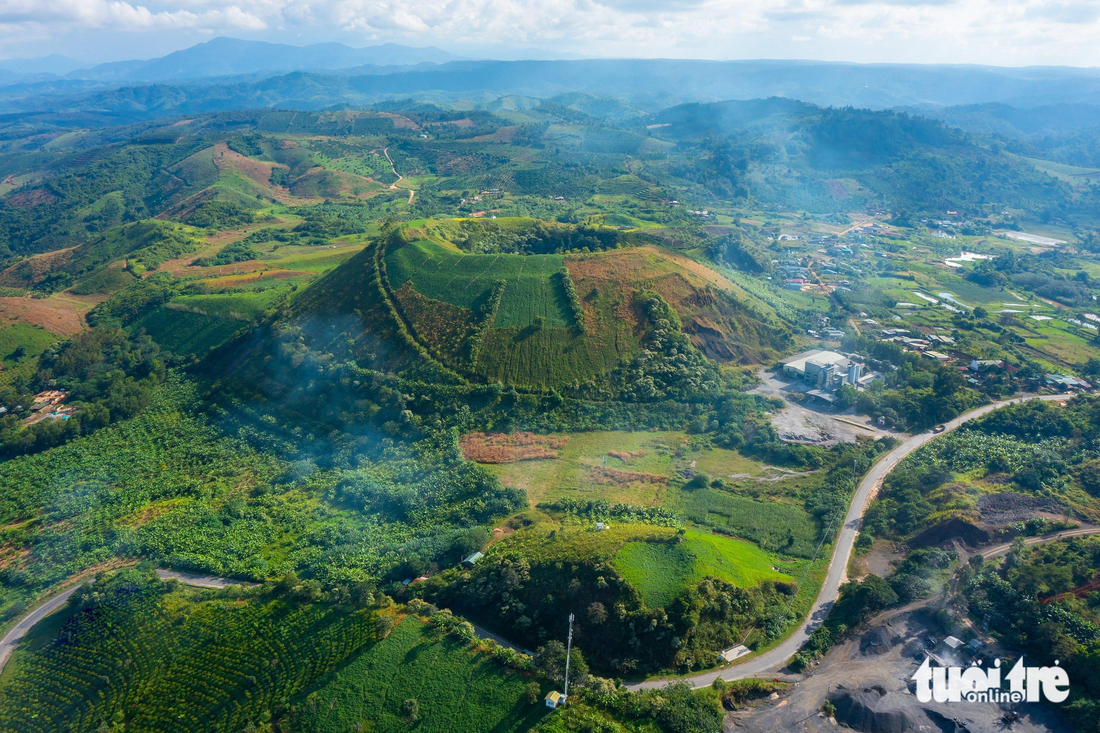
221,57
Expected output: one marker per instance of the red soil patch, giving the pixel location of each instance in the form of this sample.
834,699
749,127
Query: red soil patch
509,447
258,171
251,277
58,317
465,123
500,533
503,135
400,122
615,476
1079,592
837,190
32,198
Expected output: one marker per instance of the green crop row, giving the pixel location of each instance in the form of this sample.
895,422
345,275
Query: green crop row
133,655
455,689
574,302
775,527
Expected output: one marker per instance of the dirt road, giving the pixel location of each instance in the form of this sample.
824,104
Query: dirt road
394,186
775,658
998,550
200,581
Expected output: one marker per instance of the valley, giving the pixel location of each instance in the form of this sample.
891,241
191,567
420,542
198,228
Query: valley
664,380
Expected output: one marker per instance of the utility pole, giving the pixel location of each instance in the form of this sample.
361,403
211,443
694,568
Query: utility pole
568,650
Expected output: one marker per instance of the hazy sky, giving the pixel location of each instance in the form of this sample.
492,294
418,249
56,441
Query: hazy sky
996,32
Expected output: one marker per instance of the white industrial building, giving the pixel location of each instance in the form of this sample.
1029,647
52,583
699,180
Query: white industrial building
823,370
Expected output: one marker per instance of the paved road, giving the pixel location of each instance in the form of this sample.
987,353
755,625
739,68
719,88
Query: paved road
775,658
11,639
771,660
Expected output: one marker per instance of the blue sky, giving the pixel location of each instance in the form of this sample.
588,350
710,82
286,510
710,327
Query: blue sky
994,32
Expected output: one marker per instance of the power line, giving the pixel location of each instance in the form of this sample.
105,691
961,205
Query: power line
568,652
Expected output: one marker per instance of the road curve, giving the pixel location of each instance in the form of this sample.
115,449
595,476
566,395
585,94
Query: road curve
11,639
771,660
988,554
775,658
998,550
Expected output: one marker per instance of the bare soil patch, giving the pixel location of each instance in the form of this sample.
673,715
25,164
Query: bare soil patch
31,198
1010,506
61,316
615,476
509,447
227,281
29,271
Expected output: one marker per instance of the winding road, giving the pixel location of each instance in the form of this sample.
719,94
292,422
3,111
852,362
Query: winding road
771,660
394,186
836,574
12,638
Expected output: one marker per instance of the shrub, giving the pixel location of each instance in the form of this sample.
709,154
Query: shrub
410,710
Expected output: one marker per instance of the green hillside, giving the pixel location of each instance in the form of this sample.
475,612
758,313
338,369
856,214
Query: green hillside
332,355
135,652
97,266
661,571
455,689
537,320
531,291
185,332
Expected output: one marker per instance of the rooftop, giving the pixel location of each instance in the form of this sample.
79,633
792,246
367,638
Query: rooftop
817,356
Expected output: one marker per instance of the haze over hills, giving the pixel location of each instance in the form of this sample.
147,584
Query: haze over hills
223,57
227,73
230,56
383,347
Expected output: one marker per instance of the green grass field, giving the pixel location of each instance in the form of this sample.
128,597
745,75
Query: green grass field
316,261
661,453
778,527
457,689
183,332
548,541
661,571
464,280
570,474
1061,170
22,341
235,306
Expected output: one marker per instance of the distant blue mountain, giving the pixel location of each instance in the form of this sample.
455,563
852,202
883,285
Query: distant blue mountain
232,56
54,65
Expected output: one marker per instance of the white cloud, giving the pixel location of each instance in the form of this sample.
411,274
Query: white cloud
1012,32
119,15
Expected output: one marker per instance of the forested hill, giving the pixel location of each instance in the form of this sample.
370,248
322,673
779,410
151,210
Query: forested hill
65,184
654,83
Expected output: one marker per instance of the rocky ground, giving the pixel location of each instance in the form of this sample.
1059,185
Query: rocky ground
809,423
867,678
